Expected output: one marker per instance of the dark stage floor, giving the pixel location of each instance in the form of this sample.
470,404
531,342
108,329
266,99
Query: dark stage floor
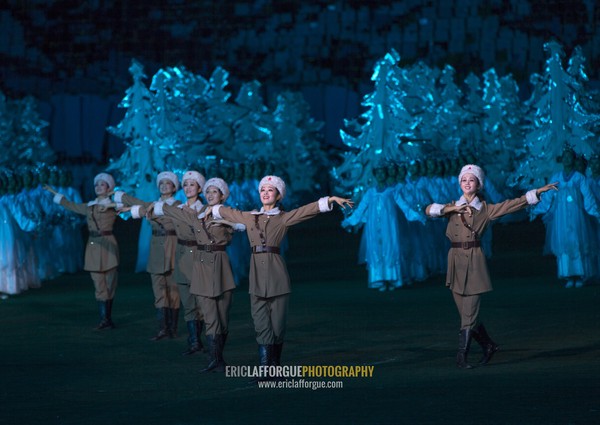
55,370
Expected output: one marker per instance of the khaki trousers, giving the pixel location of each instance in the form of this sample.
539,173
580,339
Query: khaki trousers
191,307
166,292
216,313
270,317
468,309
105,284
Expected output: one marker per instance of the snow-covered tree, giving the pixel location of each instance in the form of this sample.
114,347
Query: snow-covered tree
147,153
557,119
22,137
383,133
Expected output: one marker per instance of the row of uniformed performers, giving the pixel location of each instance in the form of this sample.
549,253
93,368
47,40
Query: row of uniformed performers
188,263
38,241
564,213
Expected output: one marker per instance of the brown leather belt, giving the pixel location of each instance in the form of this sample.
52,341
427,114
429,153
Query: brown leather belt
186,243
466,245
165,233
103,233
211,248
259,249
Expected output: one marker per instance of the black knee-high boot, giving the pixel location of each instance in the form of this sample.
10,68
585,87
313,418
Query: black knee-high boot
220,345
464,344
194,344
105,322
216,363
489,347
212,353
265,358
173,322
277,348
199,330
161,318
109,305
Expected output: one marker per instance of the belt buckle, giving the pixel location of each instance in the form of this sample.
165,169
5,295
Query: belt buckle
208,248
465,245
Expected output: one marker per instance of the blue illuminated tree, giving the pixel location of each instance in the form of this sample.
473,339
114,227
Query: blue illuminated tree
296,141
22,137
383,133
556,118
146,152
445,117
501,145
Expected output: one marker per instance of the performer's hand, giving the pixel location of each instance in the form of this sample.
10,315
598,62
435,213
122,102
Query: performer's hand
149,211
342,202
49,189
222,222
458,209
549,186
104,207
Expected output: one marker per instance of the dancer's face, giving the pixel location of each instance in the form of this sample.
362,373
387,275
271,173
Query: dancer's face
166,187
191,188
269,195
101,188
469,184
213,195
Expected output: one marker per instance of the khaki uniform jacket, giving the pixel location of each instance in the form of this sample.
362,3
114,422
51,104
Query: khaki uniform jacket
182,217
467,272
184,252
268,272
161,258
101,252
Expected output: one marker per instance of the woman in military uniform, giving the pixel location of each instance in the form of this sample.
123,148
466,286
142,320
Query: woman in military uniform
161,260
101,251
269,280
467,274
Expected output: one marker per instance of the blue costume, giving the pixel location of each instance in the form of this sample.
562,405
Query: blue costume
569,231
379,212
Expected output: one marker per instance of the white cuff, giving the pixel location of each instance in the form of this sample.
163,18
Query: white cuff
57,198
158,208
135,211
215,212
118,196
239,227
324,204
435,210
532,198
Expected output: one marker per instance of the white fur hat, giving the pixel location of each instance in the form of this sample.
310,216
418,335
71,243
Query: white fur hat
475,170
105,177
219,184
169,176
194,175
274,181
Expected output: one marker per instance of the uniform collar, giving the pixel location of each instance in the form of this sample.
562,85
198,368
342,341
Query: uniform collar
203,213
274,211
98,201
170,201
475,203
196,206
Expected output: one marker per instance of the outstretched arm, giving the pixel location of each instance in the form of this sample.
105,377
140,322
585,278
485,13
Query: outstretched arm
342,202
549,186
438,210
49,189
